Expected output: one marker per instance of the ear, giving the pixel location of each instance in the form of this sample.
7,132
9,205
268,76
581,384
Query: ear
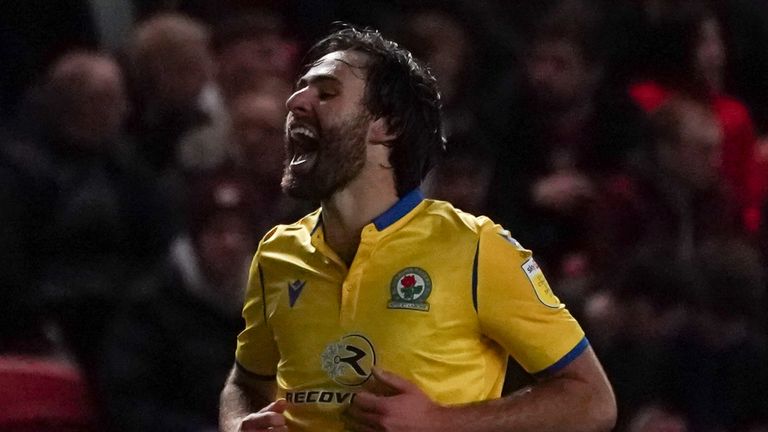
379,132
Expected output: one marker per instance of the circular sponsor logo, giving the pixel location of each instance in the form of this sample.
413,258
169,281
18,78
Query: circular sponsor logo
349,361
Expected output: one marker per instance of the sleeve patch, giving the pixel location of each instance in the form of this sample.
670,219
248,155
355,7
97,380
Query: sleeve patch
539,283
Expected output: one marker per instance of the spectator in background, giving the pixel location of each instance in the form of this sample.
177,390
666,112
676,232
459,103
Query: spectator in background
253,59
673,194
179,121
257,128
447,36
685,337
257,139
687,56
34,33
254,55
571,132
685,311
81,218
170,347
635,322
726,344
462,176
87,98
745,31
255,150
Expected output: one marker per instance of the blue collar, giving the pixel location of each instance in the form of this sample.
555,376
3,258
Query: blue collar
401,208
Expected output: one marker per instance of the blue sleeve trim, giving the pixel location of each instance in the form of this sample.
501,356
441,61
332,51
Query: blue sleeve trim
474,276
565,360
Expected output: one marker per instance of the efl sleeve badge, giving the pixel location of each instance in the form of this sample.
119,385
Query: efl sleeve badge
540,284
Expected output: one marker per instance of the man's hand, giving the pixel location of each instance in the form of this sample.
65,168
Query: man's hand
268,419
391,403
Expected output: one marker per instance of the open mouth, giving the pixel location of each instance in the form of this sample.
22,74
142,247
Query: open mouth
304,145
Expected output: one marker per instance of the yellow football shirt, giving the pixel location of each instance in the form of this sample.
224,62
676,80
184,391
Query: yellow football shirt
433,294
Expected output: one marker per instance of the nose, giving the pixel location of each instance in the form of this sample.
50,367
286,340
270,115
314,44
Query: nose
299,103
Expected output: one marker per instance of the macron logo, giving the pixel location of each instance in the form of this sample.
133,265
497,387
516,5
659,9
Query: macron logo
294,289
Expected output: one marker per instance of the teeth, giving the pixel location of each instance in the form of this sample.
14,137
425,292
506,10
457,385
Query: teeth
304,131
298,159
304,149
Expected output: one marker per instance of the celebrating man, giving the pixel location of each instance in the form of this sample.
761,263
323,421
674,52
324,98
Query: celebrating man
383,310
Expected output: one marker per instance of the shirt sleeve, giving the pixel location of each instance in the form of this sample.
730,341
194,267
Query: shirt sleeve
517,308
256,348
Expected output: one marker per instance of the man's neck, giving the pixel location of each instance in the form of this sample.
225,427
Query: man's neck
347,211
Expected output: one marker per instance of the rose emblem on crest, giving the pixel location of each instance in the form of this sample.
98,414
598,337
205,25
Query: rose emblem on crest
410,289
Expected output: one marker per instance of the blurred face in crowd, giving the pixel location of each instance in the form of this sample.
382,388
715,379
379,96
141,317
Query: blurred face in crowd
710,54
257,125
657,419
559,74
170,57
244,65
327,127
180,75
91,103
224,247
695,158
445,45
461,181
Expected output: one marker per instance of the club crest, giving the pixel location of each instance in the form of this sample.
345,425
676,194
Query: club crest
410,289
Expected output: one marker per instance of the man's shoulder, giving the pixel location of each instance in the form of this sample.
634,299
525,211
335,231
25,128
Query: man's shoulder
489,234
283,234
446,216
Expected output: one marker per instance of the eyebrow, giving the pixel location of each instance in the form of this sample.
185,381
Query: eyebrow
354,68
316,79
329,77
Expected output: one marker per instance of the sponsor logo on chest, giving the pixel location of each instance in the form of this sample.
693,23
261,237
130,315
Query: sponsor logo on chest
318,396
348,362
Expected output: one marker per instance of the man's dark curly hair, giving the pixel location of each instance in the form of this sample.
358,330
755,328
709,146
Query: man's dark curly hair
401,90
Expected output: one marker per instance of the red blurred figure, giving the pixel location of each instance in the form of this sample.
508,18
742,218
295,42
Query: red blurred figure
690,59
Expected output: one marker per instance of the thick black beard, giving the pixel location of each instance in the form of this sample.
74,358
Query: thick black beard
340,158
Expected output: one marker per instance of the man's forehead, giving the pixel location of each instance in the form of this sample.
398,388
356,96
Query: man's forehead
339,64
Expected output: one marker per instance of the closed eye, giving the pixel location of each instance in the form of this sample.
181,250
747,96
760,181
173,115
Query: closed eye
325,86
325,95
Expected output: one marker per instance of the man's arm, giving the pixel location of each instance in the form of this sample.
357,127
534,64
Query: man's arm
247,404
577,398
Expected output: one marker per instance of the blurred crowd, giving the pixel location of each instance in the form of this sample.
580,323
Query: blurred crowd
623,141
